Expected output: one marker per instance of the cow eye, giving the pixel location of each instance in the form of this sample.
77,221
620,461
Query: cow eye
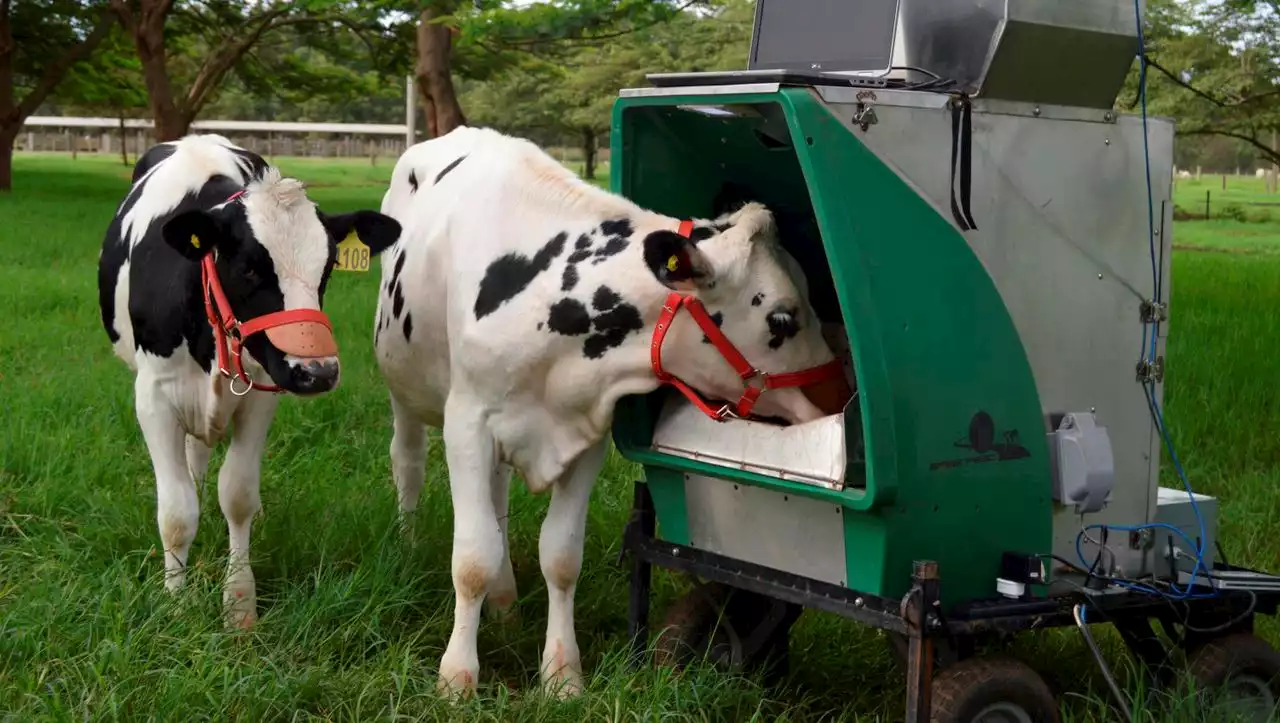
251,276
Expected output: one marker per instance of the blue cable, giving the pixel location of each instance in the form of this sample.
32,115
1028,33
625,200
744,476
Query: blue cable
1149,387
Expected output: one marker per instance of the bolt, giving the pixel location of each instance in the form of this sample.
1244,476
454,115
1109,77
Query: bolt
1099,277
859,602
675,551
1093,410
1106,141
1036,112
1108,116
925,570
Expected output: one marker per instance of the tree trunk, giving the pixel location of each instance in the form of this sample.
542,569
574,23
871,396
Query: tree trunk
124,144
428,113
434,76
589,154
8,136
170,124
147,29
10,118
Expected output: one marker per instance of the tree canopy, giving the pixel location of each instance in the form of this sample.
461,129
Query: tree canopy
1215,68
548,70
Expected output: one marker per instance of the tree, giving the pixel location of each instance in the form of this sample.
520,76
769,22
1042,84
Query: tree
569,97
197,44
1215,68
108,83
40,42
501,32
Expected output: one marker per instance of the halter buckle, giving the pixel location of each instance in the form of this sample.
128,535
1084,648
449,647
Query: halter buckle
726,412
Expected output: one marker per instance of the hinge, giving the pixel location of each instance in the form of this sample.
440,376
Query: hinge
1152,311
1151,371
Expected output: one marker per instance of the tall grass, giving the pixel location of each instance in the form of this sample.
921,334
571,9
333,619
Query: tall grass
354,618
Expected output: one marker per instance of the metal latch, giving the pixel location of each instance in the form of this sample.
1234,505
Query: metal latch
1140,539
1153,311
864,115
1151,371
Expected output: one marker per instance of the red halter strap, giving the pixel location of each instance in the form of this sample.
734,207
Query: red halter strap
755,380
227,328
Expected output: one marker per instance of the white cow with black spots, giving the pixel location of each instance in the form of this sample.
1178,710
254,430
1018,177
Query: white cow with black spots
516,309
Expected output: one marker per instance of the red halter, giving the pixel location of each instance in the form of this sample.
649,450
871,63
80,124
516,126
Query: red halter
748,374
306,339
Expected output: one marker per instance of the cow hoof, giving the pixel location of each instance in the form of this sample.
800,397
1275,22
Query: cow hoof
457,682
241,619
564,684
175,580
561,674
404,526
241,610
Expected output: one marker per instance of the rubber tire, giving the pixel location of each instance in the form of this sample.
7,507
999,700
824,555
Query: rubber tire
1214,662
683,635
708,617
963,690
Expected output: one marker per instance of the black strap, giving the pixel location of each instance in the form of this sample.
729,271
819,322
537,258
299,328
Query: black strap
962,144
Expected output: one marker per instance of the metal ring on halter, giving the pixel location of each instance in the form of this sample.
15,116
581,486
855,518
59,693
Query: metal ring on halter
248,385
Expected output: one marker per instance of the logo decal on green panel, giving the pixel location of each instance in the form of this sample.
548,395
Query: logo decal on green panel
982,440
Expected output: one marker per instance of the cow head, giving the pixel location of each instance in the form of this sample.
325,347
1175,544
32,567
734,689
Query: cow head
757,295
275,251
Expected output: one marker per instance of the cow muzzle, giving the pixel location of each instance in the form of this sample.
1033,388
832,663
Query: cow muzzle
304,336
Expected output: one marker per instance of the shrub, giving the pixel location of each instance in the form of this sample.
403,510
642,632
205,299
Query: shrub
1231,211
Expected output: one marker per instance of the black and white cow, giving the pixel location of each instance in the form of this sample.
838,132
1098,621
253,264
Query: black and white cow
272,254
518,307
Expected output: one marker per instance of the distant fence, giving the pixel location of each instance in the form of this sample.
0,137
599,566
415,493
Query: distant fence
57,134
106,135
1235,197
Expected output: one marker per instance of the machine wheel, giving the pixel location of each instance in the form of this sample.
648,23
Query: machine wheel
1243,668
992,690
722,623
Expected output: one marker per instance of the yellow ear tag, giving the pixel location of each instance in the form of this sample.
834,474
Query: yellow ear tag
673,263
195,242
353,254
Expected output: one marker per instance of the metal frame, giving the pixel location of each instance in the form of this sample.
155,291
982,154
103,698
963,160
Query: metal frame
919,615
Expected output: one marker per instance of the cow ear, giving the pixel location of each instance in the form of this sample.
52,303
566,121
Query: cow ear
192,233
373,229
677,262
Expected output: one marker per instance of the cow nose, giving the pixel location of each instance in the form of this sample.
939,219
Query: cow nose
322,370
317,375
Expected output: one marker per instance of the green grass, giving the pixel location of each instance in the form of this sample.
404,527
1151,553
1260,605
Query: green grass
354,619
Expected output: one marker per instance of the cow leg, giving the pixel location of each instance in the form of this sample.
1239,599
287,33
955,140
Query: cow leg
197,462
477,539
177,507
501,598
238,496
408,458
560,553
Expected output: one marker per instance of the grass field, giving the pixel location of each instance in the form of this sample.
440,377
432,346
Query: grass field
353,618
